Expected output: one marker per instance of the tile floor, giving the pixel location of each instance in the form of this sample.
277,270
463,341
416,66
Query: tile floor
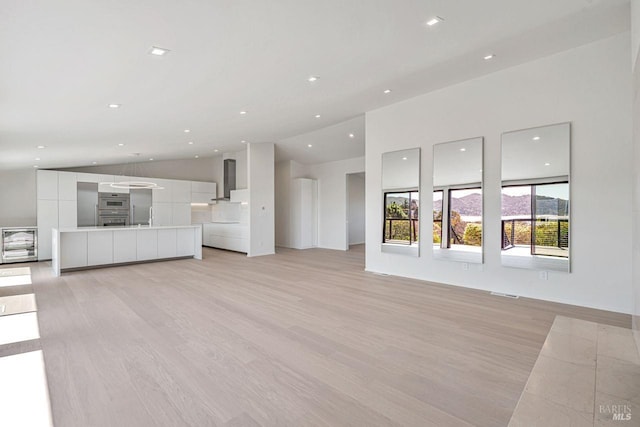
587,374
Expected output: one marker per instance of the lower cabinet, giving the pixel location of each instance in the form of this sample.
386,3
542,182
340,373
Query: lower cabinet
124,246
73,252
167,243
232,237
100,248
147,244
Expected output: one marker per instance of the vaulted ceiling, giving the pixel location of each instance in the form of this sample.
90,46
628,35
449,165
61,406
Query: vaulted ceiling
65,61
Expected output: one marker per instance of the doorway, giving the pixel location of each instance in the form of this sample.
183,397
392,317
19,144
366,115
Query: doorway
355,209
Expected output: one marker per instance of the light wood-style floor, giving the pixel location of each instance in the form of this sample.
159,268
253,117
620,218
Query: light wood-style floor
300,338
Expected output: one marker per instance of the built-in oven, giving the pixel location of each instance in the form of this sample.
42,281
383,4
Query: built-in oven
117,218
113,201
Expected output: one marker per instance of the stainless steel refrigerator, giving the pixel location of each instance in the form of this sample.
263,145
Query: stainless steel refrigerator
140,203
87,204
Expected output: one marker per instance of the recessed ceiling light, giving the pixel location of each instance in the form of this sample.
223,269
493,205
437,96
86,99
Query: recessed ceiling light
40,147
94,163
121,145
309,145
387,91
114,105
196,156
480,170
151,158
433,21
243,141
547,164
187,130
190,142
216,150
312,79
536,138
242,113
317,116
37,159
488,57
158,51
404,158
463,149
35,166
351,135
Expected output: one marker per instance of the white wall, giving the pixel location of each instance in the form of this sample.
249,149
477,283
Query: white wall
261,180
332,198
18,198
635,31
589,86
356,208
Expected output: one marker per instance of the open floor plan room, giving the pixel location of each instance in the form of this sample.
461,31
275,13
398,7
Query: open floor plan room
283,340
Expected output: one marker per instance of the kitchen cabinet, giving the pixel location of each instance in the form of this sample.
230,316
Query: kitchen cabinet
203,192
180,191
67,186
47,214
232,237
100,247
239,196
167,243
147,244
67,213
185,241
162,195
162,213
73,253
124,246
181,214
47,185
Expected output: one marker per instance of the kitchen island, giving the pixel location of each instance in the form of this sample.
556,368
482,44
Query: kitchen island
91,247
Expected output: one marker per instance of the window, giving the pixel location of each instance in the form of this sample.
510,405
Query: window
437,217
465,217
535,218
401,217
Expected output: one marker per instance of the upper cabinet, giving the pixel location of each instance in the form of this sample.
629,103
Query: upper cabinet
67,186
203,192
162,194
180,191
47,185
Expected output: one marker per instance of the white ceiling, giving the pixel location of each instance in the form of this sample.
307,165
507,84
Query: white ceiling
64,61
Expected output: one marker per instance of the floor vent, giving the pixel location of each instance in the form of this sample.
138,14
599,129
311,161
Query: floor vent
380,274
500,294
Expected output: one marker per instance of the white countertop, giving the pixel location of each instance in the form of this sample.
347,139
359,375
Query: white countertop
127,228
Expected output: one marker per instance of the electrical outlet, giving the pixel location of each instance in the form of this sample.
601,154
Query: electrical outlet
465,266
543,275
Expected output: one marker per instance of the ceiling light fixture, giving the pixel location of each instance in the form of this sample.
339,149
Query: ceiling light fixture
351,136
243,141
134,185
196,156
215,151
37,159
114,105
547,164
242,113
94,163
463,149
190,142
151,159
309,145
536,138
317,116
489,57
404,158
433,21
312,79
387,91
187,130
121,145
158,51
40,147
35,166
